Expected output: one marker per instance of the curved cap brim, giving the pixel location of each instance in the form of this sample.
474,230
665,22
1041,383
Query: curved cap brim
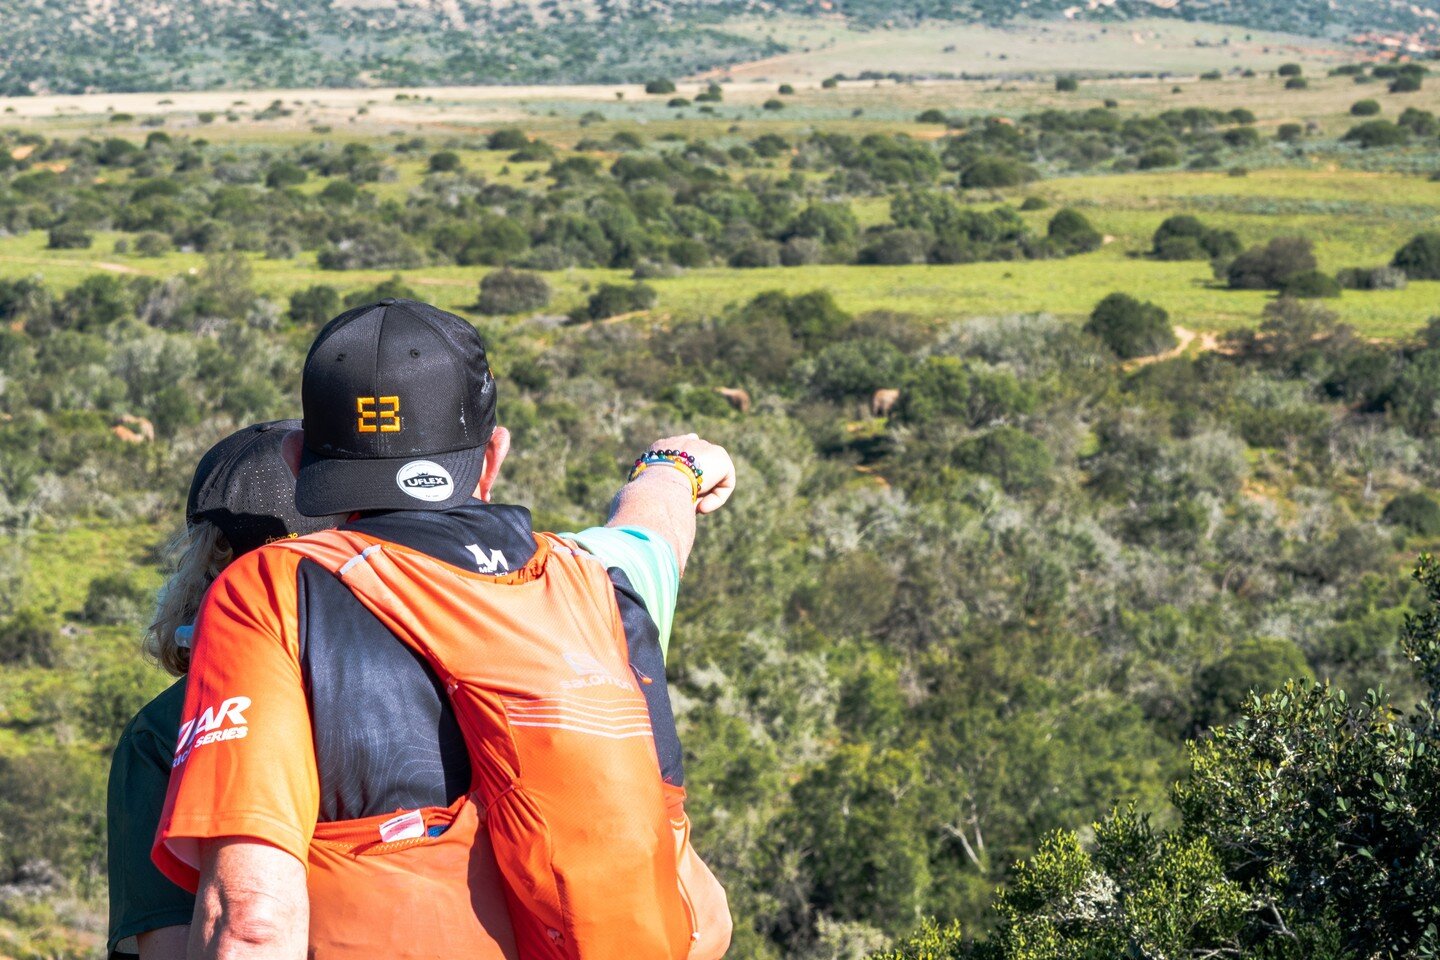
436,481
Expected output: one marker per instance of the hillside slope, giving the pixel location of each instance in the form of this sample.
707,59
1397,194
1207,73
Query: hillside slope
69,46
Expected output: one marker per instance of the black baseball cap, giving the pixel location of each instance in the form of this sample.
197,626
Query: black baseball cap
399,405
246,487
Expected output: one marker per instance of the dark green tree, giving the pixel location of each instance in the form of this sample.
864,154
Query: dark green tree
1130,327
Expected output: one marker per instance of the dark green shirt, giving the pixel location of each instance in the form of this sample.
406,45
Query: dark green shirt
141,899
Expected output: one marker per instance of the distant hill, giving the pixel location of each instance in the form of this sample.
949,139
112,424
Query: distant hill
72,46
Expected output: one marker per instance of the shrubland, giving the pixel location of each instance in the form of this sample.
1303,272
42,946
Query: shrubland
924,638
987,576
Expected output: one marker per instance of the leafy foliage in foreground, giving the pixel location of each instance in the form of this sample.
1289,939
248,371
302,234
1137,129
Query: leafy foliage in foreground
1307,831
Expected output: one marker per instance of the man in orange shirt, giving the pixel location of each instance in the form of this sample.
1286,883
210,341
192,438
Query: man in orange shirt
321,752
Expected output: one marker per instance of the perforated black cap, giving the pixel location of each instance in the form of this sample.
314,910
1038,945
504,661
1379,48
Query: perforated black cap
399,404
245,486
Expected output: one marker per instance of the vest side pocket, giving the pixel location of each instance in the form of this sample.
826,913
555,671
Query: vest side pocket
525,855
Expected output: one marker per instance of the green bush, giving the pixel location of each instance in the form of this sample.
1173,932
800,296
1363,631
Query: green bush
507,291
1257,666
97,302
52,802
446,161
930,942
1297,83
897,248
1365,108
785,90
314,306
755,253
1290,70
1289,132
1268,267
1309,284
1405,83
856,369
1158,158
1420,257
1242,138
115,599
939,387
1072,232
152,244
1377,133
1415,512
69,236
29,638
1184,237
660,86
1067,84
773,104
1179,248
614,299
1421,123
285,175
992,172
340,191
932,116
1130,327
506,138
1326,807
1137,895
1019,461
1372,278
379,247
394,286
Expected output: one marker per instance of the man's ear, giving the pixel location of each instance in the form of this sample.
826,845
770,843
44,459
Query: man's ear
495,452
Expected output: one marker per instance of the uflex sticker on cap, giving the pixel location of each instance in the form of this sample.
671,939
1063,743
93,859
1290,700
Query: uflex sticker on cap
425,480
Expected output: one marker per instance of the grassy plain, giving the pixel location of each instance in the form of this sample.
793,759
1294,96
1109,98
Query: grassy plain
1357,206
818,48
1355,217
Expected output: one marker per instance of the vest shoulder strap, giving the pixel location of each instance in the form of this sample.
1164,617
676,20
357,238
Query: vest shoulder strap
331,549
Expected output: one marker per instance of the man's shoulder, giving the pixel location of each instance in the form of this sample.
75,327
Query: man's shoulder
490,538
256,583
278,558
625,547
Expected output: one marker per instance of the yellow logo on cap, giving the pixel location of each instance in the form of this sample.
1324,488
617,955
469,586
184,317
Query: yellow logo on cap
378,414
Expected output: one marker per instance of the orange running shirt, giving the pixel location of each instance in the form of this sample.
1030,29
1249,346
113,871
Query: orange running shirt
245,766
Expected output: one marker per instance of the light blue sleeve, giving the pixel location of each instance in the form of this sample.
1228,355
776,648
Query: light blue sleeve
649,563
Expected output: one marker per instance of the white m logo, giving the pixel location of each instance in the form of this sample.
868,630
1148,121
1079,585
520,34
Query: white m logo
491,564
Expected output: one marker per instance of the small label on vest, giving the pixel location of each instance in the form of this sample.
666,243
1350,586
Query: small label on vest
407,826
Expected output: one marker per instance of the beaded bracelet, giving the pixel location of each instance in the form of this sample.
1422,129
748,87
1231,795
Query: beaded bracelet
678,459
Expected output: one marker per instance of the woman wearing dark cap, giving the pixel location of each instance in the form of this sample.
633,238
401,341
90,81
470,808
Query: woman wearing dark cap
242,497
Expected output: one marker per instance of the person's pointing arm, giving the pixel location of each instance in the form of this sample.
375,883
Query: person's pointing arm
659,499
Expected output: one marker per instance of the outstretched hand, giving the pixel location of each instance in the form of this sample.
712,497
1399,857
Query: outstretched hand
717,470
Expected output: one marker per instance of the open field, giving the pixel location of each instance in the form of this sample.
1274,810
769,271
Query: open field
819,49
1017,60
1355,218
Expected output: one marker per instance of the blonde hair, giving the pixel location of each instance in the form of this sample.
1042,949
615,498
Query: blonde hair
195,556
